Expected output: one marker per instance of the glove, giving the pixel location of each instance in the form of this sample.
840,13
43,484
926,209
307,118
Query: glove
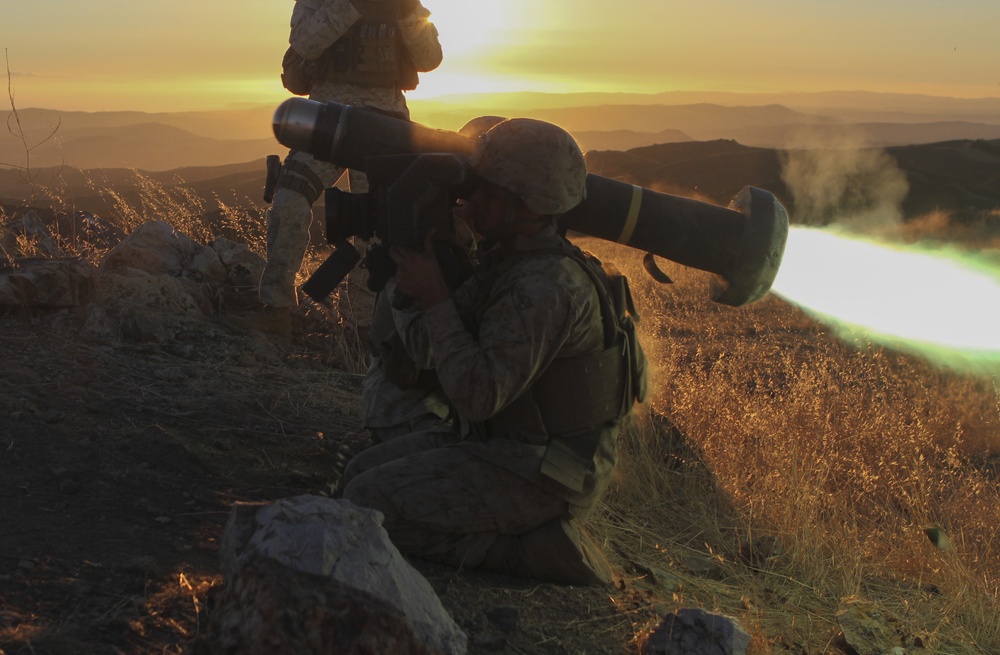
377,11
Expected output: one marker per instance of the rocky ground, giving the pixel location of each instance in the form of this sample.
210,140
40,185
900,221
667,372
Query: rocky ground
120,461
135,410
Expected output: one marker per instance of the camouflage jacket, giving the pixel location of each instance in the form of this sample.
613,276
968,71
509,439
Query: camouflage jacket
383,403
494,339
317,24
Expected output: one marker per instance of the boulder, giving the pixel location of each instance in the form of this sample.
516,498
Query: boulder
339,541
243,267
158,249
267,608
48,283
697,632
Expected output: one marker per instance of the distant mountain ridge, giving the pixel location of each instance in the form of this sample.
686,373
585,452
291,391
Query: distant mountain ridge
164,141
863,106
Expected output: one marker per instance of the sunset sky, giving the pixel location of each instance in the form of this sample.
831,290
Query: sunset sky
173,55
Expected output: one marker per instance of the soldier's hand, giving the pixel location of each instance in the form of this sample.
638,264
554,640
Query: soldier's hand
419,275
378,11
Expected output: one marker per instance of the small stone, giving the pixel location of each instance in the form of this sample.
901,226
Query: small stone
709,569
668,581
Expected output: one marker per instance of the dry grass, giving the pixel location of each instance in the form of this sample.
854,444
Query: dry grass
842,453
186,211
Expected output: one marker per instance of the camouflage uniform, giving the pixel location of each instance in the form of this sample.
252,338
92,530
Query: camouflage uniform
469,502
389,408
315,25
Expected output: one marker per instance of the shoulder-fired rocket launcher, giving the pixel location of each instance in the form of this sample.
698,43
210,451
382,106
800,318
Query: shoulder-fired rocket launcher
742,243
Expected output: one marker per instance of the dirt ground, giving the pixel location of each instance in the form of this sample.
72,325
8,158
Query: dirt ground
119,463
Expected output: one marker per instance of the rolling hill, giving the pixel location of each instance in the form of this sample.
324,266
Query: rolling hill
167,141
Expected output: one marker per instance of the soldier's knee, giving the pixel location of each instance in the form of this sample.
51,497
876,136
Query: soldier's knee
290,201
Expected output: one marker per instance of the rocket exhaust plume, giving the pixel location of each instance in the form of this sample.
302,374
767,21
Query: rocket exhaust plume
942,304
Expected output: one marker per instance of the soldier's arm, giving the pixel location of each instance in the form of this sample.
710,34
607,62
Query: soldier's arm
521,332
317,25
413,335
421,39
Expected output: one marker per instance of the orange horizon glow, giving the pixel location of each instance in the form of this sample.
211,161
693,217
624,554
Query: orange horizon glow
110,55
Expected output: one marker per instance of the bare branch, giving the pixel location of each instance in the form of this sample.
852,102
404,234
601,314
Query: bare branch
17,130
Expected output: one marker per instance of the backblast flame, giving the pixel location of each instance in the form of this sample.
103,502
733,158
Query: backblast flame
941,303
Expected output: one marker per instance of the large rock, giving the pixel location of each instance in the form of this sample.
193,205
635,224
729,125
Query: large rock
159,282
243,267
130,290
148,281
339,541
49,283
158,274
267,608
697,632
158,249
32,272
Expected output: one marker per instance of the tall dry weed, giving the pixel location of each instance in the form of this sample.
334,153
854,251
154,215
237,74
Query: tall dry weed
151,201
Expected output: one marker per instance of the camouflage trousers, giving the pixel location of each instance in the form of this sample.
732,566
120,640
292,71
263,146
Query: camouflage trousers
453,501
288,222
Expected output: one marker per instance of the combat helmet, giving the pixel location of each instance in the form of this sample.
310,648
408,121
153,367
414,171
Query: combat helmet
538,162
479,126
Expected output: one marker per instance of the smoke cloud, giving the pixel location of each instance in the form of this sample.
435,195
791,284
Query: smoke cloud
843,183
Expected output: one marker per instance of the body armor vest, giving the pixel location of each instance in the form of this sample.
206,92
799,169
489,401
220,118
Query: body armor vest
371,54
576,398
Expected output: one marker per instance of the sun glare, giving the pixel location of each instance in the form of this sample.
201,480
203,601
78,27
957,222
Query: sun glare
468,29
474,37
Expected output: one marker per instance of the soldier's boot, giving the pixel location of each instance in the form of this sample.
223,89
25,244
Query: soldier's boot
563,552
559,551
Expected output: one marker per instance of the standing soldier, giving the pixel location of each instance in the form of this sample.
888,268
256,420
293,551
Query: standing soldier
364,53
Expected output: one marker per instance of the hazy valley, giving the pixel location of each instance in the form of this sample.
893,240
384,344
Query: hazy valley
165,141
